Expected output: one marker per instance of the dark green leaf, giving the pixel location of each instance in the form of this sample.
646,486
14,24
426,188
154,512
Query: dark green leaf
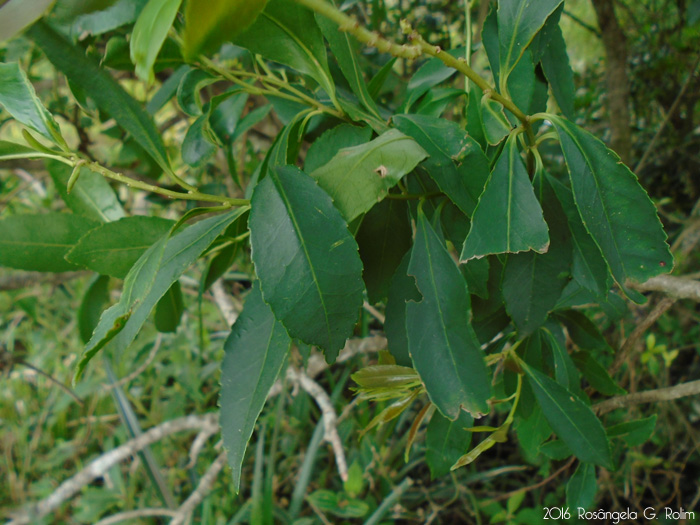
455,162
40,242
528,90
287,33
200,143
344,49
255,352
103,89
169,309
430,74
18,97
581,488
95,299
571,419
508,218
596,375
635,432
614,208
555,63
307,262
167,90
446,441
188,96
442,344
91,196
565,371
113,248
518,22
327,145
207,28
402,289
251,119
150,31
384,237
556,450
493,118
532,431
226,115
376,84
358,177
583,332
437,100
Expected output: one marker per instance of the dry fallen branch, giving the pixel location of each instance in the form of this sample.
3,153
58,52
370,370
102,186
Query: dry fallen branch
99,466
692,388
135,514
330,418
678,287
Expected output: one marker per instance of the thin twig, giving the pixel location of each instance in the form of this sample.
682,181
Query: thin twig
103,463
691,388
151,356
134,514
535,486
639,331
205,485
374,312
198,445
330,418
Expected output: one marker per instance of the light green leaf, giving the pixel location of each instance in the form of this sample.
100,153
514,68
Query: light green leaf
287,33
446,441
344,49
518,23
18,97
113,248
256,349
325,147
149,279
358,177
16,15
150,31
508,217
91,196
456,163
103,89
169,309
384,237
206,28
581,488
308,264
97,22
571,419
12,150
442,344
40,242
614,208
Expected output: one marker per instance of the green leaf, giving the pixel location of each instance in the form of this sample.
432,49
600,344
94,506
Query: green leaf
256,350
583,332
287,33
149,279
357,178
91,196
456,163
169,309
12,150
207,28
571,419
496,125
508,218
307,262
225,115
556,450
614,208
188,96
430,74
384,237
200,142
344,49
16,15
446,441
596,375
103,89
40,242
325,147
150,31
402,289
114,247
581,488
635,432
556,67
18,97
117,14
442,344
588,267
376,84
94,299
518,23
338,504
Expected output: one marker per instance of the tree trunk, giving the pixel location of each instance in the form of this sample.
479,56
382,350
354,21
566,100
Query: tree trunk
615,78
